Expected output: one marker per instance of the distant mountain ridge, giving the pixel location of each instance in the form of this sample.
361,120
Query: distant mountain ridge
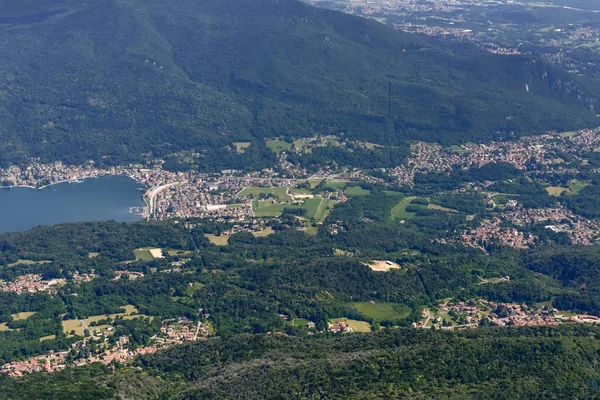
86,79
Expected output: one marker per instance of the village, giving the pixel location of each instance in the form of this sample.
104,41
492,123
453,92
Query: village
474,313
172,332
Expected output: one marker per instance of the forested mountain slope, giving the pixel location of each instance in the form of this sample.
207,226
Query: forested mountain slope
523,363
121,78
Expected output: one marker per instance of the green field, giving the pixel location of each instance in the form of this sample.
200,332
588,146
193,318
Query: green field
143,254
332,184
577,186
317,208
382,311
458,149
399,210
278,146
556,190
29,262
218,240
22,315
356,191
298,322
277,192
264,233
241,146
432,206
324,208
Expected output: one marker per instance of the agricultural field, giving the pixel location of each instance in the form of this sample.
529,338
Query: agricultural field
49,337
277,146
93,254
79,326
356,191
276,192
317,208
22,315
264,233
357,326
382,311
556,190
222,240
143,254
4,327
399,210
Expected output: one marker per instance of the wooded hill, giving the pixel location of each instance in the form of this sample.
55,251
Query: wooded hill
84,79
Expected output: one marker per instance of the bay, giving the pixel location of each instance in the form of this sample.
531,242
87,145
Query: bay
97,199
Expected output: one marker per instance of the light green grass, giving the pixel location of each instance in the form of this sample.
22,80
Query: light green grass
458,149
356,191
264,233
432,206
399,210
240,147
29,262
382,311
357,326
324,208
218,240
568,134
298,322
173,253
49,337
143,254
556,190
577,186
190,290
277,146
277,192
22,315
333,184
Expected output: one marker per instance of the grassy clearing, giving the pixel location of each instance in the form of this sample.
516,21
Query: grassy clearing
93,254
22,315
299,322
277,146
173,253
577,186
382,311
277,192
459,149
356,191
399,210
556,190
29,262
382,266
357,326
4,327
267,208
568,134
440,208
264,233
190,290
240,147
342,253
49,337
333,184
325,207
217,240
79,325
143,254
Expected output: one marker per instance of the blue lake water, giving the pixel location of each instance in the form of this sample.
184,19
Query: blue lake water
98,199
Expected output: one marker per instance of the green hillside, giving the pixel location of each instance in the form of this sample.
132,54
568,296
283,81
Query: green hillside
122,78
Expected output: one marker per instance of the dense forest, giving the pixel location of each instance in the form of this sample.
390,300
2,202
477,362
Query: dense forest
115,81
490,363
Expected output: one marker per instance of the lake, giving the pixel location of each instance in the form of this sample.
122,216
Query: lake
97,199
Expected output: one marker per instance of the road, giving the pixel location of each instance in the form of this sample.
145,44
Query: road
153,192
